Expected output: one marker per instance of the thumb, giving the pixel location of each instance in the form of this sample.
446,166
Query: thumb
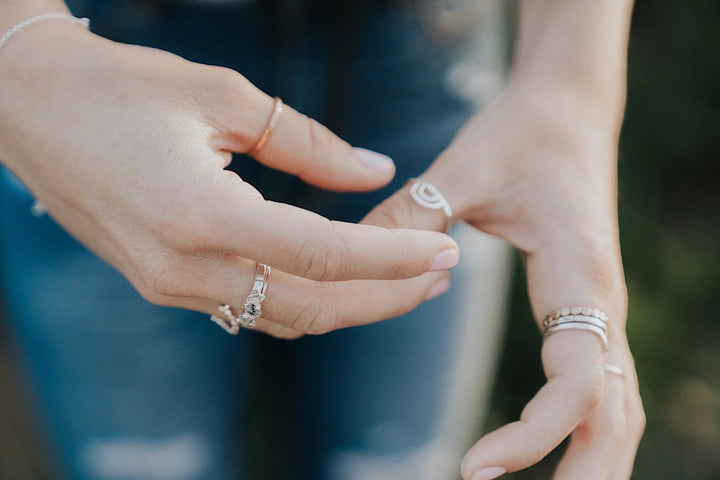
298,144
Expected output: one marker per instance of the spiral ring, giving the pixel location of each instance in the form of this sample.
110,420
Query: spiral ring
427,195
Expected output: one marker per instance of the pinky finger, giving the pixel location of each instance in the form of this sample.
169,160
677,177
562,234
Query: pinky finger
625,462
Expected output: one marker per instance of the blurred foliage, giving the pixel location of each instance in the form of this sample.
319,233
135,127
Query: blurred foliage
670,233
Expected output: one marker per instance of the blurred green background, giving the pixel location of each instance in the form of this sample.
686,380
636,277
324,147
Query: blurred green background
670,227
670,233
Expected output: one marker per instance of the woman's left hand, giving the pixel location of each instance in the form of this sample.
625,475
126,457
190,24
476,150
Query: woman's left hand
539,170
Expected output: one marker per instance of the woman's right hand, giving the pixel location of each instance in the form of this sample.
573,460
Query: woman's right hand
127,147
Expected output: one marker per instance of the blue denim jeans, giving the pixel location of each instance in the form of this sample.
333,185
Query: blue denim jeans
130,390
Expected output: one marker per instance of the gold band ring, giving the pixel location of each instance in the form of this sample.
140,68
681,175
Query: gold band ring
277,110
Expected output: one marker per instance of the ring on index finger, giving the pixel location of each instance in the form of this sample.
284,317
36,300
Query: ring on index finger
277,110
427,195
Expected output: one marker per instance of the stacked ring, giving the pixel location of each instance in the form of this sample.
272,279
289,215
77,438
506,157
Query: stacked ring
577,318
252,310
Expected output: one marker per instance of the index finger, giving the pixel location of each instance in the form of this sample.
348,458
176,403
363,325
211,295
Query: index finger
303,243
573,390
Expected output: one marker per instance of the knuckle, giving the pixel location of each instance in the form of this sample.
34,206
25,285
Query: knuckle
228,83
159,279
591,391
392,211
322,260
183,233
321,323
604,272
639,422
320,139
313,321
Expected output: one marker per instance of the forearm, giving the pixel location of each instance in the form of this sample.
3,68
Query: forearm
579,46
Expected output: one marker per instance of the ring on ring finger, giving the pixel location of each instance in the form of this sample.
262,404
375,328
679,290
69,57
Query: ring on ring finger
253,305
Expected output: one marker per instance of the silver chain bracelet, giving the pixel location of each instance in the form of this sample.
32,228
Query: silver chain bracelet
84,22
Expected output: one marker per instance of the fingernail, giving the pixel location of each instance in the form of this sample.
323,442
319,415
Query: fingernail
488,473
374,160
438,289
444,260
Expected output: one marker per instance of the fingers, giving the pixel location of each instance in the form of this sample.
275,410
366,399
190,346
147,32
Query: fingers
604,445
401,211
595,445
297,144
305,244
635,423
573,390
294,306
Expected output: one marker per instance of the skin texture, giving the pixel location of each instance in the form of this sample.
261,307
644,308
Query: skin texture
126,146
538,167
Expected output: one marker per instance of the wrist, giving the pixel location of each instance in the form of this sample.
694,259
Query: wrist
35,64
15,11
575,51
570,107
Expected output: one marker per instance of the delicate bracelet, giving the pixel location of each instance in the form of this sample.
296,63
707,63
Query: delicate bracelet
48,16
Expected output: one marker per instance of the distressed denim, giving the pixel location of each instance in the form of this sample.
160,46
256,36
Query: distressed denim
129,390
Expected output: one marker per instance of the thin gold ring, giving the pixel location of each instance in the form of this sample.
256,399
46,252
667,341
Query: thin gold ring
277,110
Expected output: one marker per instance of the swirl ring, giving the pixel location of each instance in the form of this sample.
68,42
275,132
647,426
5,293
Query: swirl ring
427,195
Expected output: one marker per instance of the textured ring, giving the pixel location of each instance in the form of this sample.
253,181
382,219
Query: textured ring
277,110
578,319
253,302
231,323
577,310
579,326
427,195
613,369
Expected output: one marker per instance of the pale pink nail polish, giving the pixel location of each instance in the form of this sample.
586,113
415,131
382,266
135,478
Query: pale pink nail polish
444,260
374,160
488,473
438,289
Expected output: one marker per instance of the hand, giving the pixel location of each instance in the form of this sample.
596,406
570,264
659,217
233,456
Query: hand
126,147
539,172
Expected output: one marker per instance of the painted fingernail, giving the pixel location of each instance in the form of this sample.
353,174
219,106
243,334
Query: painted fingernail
438,289
488,473
374,160
444,260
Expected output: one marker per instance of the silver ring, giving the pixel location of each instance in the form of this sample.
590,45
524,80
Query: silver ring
427,195
577,319
229,323
253,305
613,369
253,302
579,326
